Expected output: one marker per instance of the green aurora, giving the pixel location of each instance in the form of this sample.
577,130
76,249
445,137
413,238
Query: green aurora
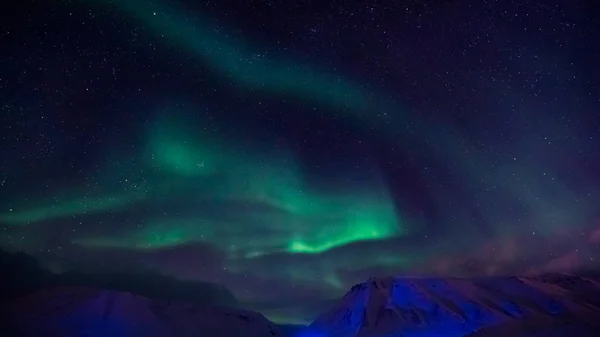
205,167
256,205
234,59
266,193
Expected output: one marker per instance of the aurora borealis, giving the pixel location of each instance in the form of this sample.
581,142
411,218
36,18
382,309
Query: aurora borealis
291,151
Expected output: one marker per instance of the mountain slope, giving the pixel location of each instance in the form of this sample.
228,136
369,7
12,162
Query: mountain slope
80,311
462,307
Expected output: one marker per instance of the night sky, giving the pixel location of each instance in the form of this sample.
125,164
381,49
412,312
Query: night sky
290,149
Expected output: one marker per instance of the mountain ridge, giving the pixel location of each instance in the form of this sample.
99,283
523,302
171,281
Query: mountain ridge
425,306
84,311
546,305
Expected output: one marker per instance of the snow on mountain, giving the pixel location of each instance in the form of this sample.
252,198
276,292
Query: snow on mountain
546,306
80,311
492,306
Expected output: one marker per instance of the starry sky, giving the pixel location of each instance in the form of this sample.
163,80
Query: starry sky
290,149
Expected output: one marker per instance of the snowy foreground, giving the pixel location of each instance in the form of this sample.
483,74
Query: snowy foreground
547,306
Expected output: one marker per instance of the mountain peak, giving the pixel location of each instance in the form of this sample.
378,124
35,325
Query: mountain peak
386,306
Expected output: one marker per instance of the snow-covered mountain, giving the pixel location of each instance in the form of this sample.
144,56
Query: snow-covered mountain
546,306
80,311
551,305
